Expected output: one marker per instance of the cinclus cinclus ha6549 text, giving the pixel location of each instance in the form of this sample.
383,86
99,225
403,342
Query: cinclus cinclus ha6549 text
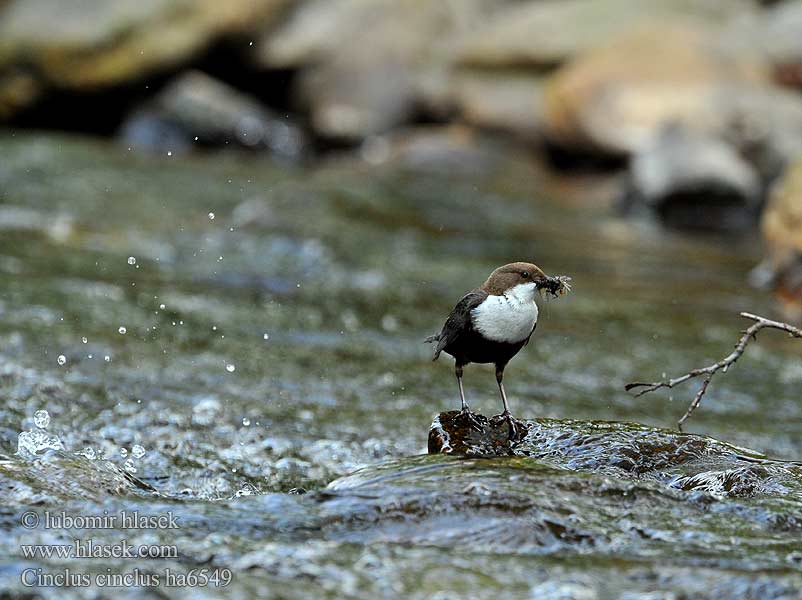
493,322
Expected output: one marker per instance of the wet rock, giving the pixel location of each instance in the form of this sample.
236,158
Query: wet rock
615,100
694,182
781,227
541,35
197,108
471,434
59,475
677,460
97,43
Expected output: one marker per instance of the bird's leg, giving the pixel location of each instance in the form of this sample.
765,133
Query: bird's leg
465,412
514,425
458,371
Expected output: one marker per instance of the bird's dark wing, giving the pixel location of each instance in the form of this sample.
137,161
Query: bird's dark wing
458,322
530,334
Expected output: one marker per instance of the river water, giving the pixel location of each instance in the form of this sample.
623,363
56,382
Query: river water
237,345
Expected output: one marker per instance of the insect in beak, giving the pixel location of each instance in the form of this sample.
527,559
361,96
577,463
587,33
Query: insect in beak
556,286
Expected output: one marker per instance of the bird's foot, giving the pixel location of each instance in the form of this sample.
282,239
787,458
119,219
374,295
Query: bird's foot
517,429
474,421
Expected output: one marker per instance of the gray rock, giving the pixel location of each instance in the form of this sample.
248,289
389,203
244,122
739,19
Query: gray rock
511,102
368,67
195,108
547,33
695,182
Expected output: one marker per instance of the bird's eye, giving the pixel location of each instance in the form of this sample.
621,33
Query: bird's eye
525,274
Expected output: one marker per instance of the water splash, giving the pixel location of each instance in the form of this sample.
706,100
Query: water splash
41,419
35,441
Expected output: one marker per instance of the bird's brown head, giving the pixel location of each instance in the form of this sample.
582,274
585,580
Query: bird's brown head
514,274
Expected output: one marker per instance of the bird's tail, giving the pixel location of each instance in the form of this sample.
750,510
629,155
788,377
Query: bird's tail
431,339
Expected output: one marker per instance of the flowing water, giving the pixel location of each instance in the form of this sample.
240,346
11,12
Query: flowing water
236,346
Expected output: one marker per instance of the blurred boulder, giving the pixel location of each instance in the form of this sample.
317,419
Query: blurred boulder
86,44
544,34
367,67
195,108
616,99
775,33
695,182
782,232
444,149
507,101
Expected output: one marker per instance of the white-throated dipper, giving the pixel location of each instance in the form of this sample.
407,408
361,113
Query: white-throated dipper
493,322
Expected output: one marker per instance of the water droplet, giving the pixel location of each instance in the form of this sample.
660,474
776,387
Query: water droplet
84,340
246,421
162,306
131,260
265,336
123,452
107,358
169,153
122,330
137,451
231,368
89,453
129,466
211,216
41,419
62,360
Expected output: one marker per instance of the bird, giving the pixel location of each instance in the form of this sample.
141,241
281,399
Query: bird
491,324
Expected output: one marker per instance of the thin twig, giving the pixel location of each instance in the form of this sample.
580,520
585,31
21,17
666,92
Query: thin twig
748,335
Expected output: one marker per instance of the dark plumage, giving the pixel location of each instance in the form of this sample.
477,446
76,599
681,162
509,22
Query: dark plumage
460,338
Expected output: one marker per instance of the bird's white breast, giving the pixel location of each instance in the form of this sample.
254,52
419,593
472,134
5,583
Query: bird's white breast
507,318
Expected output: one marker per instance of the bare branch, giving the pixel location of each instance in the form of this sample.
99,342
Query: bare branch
748,335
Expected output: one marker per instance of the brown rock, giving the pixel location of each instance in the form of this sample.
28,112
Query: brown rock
782,231
615,99
98,43
470,434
